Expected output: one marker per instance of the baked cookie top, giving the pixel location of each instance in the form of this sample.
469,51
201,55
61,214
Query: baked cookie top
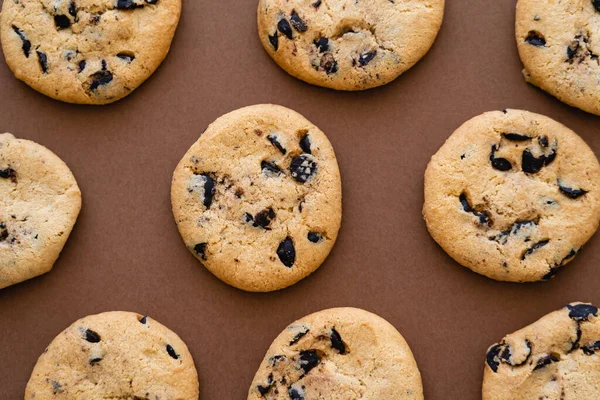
513,195
115,355
87,51
348,44
257,199
39,204
559,45
338,354
552,359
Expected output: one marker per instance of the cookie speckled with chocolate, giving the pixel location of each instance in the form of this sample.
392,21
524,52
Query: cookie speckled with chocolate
559,49
348,45
39,204
554,358
257,199
338,354
84,51
115,355
513,195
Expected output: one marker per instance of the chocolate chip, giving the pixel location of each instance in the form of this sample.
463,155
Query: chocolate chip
366,58
8,173
298,23
248,217
265,389
200,250
545,361
144,319
62,21
43,60
287,252
308,360
91,336
3,232
501,164
554,269
531,164
26,43
209,190
328,64
493,358
336,341
274,40
171,352
96,360
317,3
99,78
126,5
573,48
294,393
592,347
303,167
543,141
305,143
570,192
299,335
535,38
596,4
72,10
582,312
322,44
533,248
516,137
81,65
126,57
263,219
284,27
484,217
575,343
270,167
275,142
314,237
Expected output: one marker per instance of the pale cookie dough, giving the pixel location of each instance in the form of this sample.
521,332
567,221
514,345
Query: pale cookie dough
115,355
513,195
87,51
554,358
39,204
348,45
338,354
258,198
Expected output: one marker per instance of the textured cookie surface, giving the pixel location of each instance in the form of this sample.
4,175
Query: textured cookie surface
513,195
559,45
39,204
348,44
338,354
115,355
555,358
87,51
257,199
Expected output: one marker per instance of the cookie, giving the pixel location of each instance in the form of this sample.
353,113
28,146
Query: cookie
87,51
115,355
554,358
338,354
348,45
513,195
39,204
558,47
257,199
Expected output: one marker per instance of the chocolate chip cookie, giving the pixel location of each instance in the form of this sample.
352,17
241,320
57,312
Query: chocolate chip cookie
554,358
39,204
257,199
338,354
513,195
115,355
348,45
87,51
559,45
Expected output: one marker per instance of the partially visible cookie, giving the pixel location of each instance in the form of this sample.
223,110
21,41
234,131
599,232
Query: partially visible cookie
257,199
554,358
39,204
348,45
87,51
559,46
338,354
513,195
115,355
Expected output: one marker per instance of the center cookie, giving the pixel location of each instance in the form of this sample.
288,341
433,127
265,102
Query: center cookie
87,51
257,199
114,355
341,353
513,195
348,45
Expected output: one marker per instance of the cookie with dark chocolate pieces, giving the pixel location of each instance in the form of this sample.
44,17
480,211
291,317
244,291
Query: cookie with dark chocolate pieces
257,199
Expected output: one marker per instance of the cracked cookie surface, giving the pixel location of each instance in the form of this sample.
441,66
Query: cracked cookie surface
39,204
115,355
87,51
257,199
554,358
513,195
348,45
559,45
338,354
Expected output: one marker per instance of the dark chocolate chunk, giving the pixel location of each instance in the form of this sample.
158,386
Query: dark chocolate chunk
305,143
543,141
275,142
516,137
62,21
569,192
532,164
303,167
308,360
274,40
545,361
287,252
591,348
248,217
100,78
294,393
209,190
91,336
200,250
575,343
8,173
337,342
298,23
484,217
126,5
3,232
129,57
314,237
144,319
172,352
317,3
554,269
26,43
263,219
81,65
270,167
535,38
328,64
299,336
366,58
96,360
582,312
493,357
596,4
72,10
533,248
322,44
265,389
284,27
573,48
43,60
501,164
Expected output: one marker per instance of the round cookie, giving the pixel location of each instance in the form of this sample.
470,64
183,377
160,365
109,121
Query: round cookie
558,45
87,51
348,45
513,195
338,354
257,199
39,204
555,358
115,355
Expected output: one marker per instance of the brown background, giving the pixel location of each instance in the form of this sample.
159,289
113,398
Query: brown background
125,252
